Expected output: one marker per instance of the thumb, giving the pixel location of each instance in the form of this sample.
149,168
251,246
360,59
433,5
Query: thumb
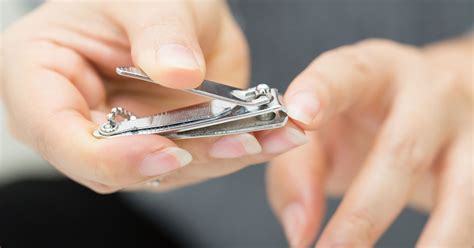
164,43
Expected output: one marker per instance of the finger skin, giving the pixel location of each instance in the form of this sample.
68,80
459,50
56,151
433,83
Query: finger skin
111,162
164,41
49,113
205,166
339,79
451,221
79,26
295,180
78,70
408,143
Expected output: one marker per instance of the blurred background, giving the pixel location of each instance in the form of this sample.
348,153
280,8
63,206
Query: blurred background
40,207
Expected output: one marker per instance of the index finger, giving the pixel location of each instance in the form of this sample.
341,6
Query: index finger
340,78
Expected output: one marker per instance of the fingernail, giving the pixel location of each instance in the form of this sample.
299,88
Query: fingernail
235,146
303,107
164,161
296,136
283,140
293,218
177,56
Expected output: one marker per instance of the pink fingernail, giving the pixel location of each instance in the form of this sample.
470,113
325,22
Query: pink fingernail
164,161
177,56
303,107
235,146
282,140
293,219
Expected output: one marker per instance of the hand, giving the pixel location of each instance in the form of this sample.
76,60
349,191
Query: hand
58,83
392,125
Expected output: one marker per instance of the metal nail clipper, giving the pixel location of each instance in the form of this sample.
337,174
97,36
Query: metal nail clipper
230,111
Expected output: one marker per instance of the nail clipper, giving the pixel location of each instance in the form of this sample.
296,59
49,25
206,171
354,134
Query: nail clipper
230,111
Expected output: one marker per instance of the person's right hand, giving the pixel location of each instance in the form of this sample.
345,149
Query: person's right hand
391,127
58,78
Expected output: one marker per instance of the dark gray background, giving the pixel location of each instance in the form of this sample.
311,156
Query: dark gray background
284,37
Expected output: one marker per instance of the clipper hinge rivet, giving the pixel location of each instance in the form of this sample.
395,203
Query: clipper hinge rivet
112,124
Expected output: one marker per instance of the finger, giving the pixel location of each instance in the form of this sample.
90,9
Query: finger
77,69
408,142
450,223
215,157
63,137
295,184
338,79
164,41
49,113
93,35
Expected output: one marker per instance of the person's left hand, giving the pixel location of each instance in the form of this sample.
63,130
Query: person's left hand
58,82
394,128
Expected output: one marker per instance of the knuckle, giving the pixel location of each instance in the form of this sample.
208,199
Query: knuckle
352,59
42,50
378,43
362,222
357,59
403,152
451,98
77,64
